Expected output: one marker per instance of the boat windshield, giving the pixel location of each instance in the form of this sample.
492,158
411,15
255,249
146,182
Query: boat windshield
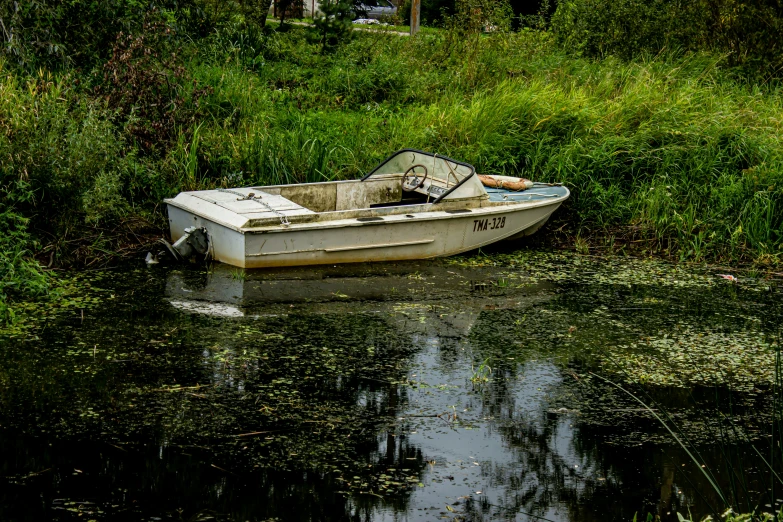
443,174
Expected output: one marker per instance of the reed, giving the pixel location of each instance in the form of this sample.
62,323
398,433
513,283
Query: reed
667,150
739,500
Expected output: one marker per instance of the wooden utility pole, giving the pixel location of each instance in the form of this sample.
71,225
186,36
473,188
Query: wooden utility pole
415,16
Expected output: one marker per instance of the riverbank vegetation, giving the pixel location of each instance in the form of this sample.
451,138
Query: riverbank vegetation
106,110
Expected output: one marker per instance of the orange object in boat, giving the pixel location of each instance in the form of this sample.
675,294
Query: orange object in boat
506,182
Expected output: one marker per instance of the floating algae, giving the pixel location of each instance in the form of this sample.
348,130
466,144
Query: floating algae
352,391
687,357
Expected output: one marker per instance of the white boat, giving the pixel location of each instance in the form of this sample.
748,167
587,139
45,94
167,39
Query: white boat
414,205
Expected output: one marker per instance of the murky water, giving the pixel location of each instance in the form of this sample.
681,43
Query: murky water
475,389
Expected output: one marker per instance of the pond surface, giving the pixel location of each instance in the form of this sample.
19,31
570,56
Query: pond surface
477,388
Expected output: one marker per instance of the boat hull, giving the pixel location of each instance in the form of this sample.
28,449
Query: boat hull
390,238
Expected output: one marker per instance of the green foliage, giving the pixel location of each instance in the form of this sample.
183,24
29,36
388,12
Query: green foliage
465,27
53,33
19,274
472,17
433,12
57,155
146,85
746,31
334,23
444,13
255,10
668,152
481,374
627,27
286,9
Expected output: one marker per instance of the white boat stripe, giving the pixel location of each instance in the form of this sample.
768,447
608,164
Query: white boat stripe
260,254
380,245
343,249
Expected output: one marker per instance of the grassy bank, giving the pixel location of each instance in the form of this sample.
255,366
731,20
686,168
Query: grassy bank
669,156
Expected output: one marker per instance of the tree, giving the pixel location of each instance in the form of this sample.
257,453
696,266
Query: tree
288,8
334,23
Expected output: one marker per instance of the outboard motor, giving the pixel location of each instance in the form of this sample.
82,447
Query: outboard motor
194,241
192,246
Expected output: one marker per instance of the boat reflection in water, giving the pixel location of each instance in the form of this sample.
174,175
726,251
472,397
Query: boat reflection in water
239,395
528,440
357,288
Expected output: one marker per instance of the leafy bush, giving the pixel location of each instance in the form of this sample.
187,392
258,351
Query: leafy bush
432,11
627,27
145,83
64,160
472,17
333,24
57,34
746,31
750,32
20,274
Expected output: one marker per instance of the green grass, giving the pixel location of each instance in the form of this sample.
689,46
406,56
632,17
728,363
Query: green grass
398,28
670,153
665,150
481,374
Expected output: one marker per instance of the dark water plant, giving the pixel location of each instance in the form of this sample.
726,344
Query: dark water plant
742,496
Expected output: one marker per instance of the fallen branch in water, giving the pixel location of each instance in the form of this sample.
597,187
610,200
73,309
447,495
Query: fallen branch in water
250,434
181,388
223,470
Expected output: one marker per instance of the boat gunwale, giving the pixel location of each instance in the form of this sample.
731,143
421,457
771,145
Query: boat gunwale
488,207
429,215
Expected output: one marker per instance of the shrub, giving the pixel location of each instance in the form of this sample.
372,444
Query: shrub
147,86
334,25
747,32
65,161
57,34
432,11
20,274
627,28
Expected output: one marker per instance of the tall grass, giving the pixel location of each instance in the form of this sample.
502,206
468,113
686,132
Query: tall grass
666,151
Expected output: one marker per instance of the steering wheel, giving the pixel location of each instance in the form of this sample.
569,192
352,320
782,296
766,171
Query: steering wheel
411,181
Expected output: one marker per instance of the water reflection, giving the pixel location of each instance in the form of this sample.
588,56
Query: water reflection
352,393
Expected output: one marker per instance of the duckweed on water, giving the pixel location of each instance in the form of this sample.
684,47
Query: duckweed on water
363,398
687,357
76,292
526,266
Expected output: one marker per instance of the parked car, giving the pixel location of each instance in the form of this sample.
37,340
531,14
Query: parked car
375,9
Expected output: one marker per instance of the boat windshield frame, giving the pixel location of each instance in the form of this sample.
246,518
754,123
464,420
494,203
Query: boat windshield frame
434,157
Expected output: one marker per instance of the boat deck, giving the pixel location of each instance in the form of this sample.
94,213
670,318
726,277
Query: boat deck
539,192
